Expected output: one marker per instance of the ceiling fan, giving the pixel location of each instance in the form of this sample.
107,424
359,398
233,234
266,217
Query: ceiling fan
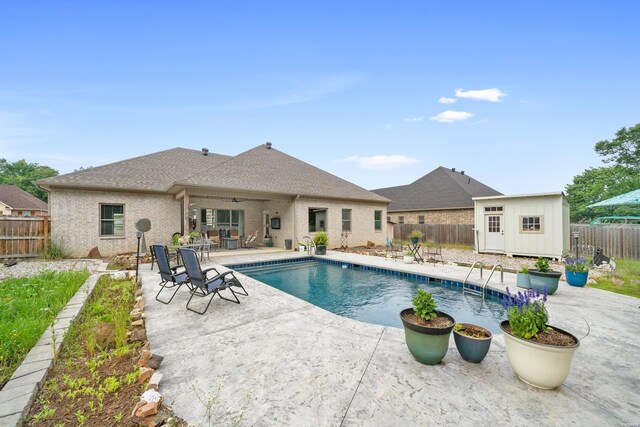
236,200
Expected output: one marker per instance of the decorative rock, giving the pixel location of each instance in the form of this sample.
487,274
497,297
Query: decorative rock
136,315
145,355
94,253
119,275
151,396
145,374
139,293
154,362
138,323
154,382
146,346
137,335
147,409
370,244
139,304
138,405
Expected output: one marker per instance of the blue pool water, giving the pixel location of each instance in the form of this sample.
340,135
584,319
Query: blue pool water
369,296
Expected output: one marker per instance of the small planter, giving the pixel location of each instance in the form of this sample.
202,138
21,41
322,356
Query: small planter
321,249
302,248
540,280
408,259
540,365
523,280
414,240
472,348
577,279
427,345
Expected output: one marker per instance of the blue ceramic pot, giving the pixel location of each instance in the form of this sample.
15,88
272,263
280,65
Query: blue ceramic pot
470,348
540,280
523,280
577,279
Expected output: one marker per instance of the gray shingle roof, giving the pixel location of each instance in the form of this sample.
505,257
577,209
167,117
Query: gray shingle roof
441,188
153,172
17,198
260,169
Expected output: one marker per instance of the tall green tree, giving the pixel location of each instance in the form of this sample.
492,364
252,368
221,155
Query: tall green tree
596,184
23,175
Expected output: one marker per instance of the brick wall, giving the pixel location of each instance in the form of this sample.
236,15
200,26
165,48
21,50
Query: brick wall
445,216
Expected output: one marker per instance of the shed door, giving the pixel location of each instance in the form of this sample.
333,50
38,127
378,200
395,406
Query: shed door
494,238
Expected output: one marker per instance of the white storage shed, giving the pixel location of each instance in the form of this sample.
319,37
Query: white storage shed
534,225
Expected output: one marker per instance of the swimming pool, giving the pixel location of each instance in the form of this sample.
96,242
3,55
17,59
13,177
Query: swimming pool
370,295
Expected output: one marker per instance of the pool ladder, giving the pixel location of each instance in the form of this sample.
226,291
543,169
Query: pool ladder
467,289
309,243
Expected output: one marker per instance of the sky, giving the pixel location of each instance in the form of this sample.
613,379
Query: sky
379,93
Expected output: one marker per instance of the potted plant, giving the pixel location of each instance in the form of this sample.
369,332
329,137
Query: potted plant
542,277
415,236
426,330
408,257
320,240
472,341
522,278
539,354
576,271
302,247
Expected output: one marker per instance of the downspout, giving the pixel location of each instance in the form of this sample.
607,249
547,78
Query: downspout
295,214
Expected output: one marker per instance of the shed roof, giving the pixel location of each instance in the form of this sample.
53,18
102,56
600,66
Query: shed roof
17,198
442,188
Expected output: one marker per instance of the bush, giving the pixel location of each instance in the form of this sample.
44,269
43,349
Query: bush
321,238
55,250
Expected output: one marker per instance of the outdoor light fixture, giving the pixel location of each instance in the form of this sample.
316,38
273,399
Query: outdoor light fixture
576,236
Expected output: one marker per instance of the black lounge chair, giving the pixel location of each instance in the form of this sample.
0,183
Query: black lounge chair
202,285
171,277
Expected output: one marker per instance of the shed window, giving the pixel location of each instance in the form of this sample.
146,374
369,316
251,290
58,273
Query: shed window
493,208
112,220
531,224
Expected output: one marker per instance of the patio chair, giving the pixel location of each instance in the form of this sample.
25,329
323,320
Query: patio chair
250,241
202,285
170,276
432,254
392,251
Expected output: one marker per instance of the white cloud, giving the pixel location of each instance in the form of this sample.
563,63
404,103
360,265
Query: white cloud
414,119
380,162
450,116
491,95
445,100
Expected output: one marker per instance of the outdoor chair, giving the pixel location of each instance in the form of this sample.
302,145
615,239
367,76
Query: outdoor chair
250,241
202,285
432,254
392,251
170,276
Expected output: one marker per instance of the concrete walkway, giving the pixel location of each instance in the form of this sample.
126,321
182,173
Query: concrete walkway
277,360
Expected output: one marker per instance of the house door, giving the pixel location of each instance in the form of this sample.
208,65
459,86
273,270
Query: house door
494,237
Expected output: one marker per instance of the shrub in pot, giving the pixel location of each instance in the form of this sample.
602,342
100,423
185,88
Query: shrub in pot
522,278
542,277
408,257
472,341
576,271
426,330
415,236
320,240
539,354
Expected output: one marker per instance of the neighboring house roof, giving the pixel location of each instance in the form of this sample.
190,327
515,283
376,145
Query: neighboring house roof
261,169
441,188
17,198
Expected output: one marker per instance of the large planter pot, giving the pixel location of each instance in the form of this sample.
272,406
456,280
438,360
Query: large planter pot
523,280
577,279
472,349
540,365
540,280
408,259
414,240
427,345
321,249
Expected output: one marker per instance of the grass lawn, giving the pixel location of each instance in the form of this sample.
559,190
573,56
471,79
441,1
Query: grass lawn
28,307
626,280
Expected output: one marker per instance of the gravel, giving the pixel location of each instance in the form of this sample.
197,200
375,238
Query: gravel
32,268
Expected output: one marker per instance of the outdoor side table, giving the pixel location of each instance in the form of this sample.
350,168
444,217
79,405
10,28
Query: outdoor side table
415,249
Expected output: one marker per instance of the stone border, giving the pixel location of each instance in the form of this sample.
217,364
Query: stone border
18,394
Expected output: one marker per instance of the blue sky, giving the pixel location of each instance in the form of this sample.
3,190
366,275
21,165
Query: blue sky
379,93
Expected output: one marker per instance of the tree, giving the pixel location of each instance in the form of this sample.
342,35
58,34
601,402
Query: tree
23,175
623,150
596,184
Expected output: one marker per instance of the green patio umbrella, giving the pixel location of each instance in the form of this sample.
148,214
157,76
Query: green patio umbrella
630,198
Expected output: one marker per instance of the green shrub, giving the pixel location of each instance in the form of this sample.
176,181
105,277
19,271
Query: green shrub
542,265
55,250
424,305
321,238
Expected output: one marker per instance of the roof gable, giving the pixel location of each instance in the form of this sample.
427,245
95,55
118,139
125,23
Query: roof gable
441,188
265,169
16,198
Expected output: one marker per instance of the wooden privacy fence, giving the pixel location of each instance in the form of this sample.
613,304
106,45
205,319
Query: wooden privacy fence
23,237
450,234
617,242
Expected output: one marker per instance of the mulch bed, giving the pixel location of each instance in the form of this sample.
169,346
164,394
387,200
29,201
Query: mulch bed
437,322
550,337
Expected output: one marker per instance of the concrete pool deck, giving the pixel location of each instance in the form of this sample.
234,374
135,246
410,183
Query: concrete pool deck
279,360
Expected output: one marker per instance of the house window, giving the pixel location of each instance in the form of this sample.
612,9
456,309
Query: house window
317,219
420,219
401,219
377,220
26,213
346,219
531,224
112,220
493,208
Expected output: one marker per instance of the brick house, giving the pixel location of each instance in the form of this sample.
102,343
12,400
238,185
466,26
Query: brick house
443,196
14,201
180,190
